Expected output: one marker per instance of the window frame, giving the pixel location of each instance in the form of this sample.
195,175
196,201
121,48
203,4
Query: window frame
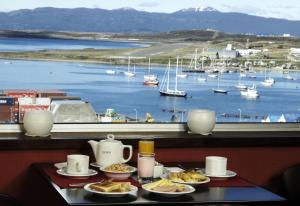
155,127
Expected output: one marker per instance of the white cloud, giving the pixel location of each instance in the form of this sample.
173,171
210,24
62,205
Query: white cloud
148,4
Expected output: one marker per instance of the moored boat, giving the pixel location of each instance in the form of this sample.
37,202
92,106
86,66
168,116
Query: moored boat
128,72
165,90
110,71
250,92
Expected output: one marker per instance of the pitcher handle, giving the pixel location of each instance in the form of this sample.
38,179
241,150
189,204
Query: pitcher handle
130,153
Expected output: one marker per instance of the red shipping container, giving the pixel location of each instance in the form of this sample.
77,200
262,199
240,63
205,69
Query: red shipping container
25,108
20,93
9,117
9,108
51,93
65,98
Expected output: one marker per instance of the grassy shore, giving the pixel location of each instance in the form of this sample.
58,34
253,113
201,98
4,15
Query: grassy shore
161,47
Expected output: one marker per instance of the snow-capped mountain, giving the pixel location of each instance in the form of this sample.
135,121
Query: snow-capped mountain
199,9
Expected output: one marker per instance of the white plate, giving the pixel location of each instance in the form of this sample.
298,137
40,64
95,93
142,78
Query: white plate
63,171
188,189
166,176
133,191
118,175
60,165
94,164
229,173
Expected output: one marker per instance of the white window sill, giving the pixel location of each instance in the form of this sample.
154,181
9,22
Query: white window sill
157,127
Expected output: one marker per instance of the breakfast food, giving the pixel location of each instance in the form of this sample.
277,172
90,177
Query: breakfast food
187,176
165,185
117,168
110,186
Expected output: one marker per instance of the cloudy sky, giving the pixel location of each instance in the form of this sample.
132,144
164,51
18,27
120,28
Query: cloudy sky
288,9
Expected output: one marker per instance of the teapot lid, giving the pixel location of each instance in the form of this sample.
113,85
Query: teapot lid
110,138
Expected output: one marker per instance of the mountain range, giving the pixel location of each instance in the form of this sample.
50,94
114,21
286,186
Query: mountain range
129,20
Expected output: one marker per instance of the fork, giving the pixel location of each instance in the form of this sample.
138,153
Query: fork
82,183
190,169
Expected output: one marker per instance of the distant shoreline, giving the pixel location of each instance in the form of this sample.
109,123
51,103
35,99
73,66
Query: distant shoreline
257,69
161,47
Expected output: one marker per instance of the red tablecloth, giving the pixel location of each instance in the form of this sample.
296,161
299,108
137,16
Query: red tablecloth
63,181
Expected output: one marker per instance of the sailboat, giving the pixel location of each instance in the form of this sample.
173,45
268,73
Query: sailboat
201,78
250,92
194,63
218,90
287,76
110,71
181,75
268,81
128,72
240,86
150,79
165,90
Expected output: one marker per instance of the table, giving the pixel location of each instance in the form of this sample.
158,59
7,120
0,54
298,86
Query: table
203,195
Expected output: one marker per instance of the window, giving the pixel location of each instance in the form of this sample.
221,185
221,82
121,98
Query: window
132,62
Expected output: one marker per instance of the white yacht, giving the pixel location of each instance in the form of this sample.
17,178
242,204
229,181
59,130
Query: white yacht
213,76
250,92
110,71
289,77
268,82
128,72
201,79
240,86
181,75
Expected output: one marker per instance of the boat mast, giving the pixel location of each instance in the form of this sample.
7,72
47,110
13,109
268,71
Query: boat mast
181,66
149,66
196,57
176,74
128,63
168,76
202,62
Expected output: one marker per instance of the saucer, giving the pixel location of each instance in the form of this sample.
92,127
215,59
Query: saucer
94,164
63,171
228,174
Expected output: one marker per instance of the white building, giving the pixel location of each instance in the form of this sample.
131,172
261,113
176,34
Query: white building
295,52
248,52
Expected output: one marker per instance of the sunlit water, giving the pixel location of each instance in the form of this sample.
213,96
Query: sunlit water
34,44
128,95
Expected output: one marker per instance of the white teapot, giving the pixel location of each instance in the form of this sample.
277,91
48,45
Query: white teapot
110,151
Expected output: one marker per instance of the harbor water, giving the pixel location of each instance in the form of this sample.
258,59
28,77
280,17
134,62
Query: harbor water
128,95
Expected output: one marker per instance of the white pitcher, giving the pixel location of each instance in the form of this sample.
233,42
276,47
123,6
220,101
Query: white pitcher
110,151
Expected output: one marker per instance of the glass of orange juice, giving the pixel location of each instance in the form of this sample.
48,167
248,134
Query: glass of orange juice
146,146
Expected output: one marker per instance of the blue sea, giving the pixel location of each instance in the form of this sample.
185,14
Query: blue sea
35,44
129,96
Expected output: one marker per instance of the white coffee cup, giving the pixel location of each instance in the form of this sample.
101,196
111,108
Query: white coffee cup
215,165
77,164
